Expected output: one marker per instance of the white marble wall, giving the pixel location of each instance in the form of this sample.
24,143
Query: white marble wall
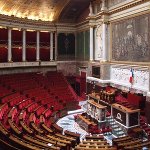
120,75
67,67
98,42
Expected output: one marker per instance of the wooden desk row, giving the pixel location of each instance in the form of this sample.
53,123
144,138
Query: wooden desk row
3,130
74,135
138,146
88,147
56,128
115,141
26,128
58,140
99,144
129,143
94,142
93,137
23,144
14,128
87,121
36,128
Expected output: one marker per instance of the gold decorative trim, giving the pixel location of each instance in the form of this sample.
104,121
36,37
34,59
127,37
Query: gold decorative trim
131,63
126,6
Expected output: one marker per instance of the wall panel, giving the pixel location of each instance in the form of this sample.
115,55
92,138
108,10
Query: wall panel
130,39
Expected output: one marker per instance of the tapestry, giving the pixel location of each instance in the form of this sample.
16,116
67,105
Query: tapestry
130,39
66,46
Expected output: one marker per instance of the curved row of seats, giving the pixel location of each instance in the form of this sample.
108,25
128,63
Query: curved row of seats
130,143
26,115
93,143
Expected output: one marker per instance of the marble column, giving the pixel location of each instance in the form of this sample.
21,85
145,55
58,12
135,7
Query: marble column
51,46
24,46
104,41
91,43
55,46
9,45
38,46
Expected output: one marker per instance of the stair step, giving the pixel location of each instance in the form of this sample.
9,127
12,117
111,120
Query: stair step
115,126
112,123
118,129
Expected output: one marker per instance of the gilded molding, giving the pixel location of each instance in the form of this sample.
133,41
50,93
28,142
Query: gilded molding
126,6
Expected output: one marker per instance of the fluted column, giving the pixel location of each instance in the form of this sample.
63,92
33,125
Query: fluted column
55,46
51,46
9,45
105,41
24,46
91,42
38,46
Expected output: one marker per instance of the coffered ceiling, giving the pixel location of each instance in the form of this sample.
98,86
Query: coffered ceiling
45,10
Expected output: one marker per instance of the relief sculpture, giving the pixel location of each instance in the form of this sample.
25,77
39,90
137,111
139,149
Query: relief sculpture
130,39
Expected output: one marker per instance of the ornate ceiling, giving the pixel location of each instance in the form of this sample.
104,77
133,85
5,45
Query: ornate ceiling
44,10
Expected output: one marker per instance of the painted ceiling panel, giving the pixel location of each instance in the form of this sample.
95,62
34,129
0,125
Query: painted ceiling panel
45,10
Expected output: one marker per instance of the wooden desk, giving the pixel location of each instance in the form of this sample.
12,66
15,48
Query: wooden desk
36,129
84,120
115,141
125,116
75,135
129,143
46,128
43,138
95,142
96,98
84,123
138,146
4,130
36,141
22,143
100,145
14,127
101,137
65,137
21,114
25,127
58,139
71,139
57,128
11,112
138,131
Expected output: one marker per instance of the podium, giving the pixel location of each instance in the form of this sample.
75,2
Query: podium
96,111
125,116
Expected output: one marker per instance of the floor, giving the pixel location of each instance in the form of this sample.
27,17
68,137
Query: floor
68,123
